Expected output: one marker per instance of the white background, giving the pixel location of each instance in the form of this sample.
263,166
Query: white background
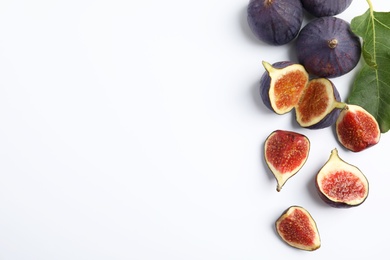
134,130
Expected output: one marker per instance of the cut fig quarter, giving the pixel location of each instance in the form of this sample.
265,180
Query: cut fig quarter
340,184
357,129
285,153
297,228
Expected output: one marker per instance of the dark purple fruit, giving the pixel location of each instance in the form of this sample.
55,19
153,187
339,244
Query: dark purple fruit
322,8
327,47
285,153
357,129
341,184
275,22
298,229
282,84
319,105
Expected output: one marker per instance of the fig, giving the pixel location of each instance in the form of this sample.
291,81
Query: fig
285,85
282,85
275,22
340,184
319,105
320,8
327,47
298,229
357,129
285,153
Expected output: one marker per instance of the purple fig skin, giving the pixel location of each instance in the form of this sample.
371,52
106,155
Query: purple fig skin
320,8
330,118
265,83
328,48
275,22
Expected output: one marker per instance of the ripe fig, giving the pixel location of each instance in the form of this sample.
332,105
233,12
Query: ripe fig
298,229
275,22
285,153
320,8
327,47
282,84
341,184
357,129
319,105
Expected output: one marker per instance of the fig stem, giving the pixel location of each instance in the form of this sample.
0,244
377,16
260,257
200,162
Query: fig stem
340,105
332,43
268,67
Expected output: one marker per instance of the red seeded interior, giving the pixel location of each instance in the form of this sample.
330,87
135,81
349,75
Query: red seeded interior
343,186
286,151
357,129
314,101
296,228
289,88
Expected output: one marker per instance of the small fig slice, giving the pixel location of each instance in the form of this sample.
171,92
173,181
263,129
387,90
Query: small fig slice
298,229
327,47
357,129
275,22
341,184
319,105
285,153
282,85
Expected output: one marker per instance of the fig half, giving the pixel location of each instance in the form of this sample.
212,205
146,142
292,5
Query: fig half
285,153
357,129
282,84
341,184
298,229
319,105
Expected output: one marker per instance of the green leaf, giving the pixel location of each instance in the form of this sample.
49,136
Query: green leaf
371,87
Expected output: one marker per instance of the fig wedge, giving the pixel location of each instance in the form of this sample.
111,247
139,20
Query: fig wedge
282,84
319,105
285,153
298,229
357,129
341,184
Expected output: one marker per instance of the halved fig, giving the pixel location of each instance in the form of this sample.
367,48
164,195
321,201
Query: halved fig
319,105
298,229
341,184
282,85
357,129
285,153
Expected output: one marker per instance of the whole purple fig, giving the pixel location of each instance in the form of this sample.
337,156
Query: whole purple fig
327,47
320,8
275,22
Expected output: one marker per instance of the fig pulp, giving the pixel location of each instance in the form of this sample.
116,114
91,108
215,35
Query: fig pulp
298,229
341,184
327,47
357,129
275,22
285,153
286,85
320,8
319,105
282,85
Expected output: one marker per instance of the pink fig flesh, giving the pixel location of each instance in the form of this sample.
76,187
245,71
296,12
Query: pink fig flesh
357,129
285,153
298,229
